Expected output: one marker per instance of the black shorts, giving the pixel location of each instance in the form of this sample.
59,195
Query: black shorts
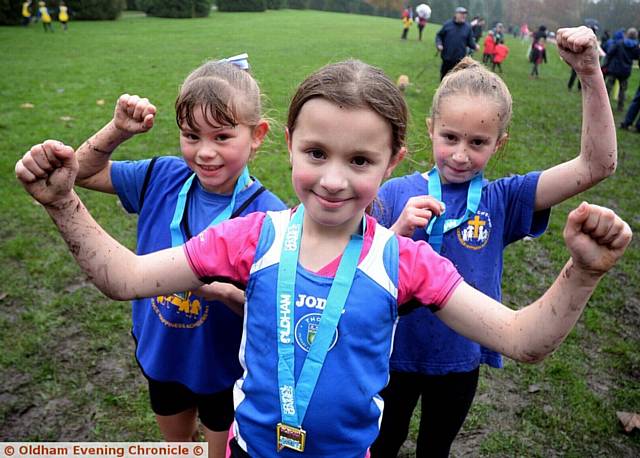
214,410
236,450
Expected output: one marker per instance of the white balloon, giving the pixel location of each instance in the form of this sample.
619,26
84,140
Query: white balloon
423,11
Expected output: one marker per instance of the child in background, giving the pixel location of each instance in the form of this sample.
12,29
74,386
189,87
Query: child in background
539,55
63,15
187,344
469,119
406,24
421,22
43,13
26,13
345,133
489,46
500,53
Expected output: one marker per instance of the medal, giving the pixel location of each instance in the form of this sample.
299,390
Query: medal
296,395
438,225
290,437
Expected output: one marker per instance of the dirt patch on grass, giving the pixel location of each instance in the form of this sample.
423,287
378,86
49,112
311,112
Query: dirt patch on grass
58,398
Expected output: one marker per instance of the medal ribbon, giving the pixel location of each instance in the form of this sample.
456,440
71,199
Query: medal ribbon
439,225
294,398
177,238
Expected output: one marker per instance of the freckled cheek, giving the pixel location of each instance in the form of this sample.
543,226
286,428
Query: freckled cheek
440,153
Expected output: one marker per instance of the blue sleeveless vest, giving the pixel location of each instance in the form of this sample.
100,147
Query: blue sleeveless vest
345,410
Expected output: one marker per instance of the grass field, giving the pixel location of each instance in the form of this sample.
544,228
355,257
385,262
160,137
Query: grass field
67,367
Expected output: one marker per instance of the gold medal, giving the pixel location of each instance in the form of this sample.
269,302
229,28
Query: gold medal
290,437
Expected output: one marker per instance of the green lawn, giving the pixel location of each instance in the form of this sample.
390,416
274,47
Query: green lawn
67,367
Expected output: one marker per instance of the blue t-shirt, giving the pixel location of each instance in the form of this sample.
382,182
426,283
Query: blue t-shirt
188,339
423,343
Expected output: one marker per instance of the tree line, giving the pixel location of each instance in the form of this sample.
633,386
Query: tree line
612,14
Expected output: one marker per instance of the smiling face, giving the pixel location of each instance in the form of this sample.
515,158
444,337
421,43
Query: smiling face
465,135
217,153
339,158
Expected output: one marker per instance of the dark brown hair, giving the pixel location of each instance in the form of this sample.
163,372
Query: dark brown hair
472,78
354,84
227,96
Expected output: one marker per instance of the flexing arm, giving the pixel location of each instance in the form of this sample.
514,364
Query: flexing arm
598,150
48,172
596,239
132,115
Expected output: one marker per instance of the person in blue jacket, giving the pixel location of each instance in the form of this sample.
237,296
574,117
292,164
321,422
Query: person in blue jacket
453,39
620,59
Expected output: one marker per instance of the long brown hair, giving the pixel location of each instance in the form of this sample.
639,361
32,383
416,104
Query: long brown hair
354,84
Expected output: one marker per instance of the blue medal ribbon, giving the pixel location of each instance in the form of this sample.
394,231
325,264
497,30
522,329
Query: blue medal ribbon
295,398
177,238
440,225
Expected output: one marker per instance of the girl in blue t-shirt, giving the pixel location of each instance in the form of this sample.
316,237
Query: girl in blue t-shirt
187,344
469,119
324,282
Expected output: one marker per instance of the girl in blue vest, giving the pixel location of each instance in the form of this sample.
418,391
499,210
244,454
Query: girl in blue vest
187,343
324,282
469,119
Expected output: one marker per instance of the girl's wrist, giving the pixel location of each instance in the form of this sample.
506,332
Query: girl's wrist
592,79
584,277
108,139
63,203
118,134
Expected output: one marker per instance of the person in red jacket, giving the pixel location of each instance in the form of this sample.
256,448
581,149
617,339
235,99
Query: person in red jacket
489,46
500,53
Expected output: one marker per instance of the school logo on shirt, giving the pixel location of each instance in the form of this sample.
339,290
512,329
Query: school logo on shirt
307,328
474,234
183,310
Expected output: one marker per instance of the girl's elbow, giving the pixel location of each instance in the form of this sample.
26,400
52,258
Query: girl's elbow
531,356
114,295
113,292
613,166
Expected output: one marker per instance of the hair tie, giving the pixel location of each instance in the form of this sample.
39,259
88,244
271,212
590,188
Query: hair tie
241,61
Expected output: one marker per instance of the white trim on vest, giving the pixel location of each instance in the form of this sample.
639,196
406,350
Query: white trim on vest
279,221
373,264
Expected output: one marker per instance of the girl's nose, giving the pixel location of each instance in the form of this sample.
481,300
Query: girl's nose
460,155
207,151
333,179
